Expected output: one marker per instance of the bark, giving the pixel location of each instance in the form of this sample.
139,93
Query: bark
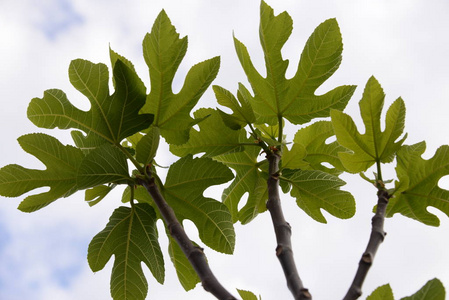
283,232
193,253
376,238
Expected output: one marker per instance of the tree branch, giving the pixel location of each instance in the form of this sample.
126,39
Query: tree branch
283,231
377,237
194,254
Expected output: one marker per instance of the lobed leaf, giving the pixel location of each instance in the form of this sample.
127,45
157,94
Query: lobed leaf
213,138
374,145
131,236
111,118
105,164
316,190
313,139
62,163
248,179
187,179
163,53
417,187
294,99
243,113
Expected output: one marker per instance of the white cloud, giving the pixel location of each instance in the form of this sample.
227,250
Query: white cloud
404,44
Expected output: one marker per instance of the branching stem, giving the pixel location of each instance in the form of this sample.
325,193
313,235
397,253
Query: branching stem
194,254
376,238
283,232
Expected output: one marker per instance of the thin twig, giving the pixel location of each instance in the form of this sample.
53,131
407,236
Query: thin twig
194,254
377,237
283,232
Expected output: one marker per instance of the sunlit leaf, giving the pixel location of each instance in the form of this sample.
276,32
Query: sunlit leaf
186,181
62,163
418,184
294,158
247,295
243,113
295,99
163,52
432,290
131,236
382,293
314,139
316,190
213,138
374,145
111,118
246,180
186,274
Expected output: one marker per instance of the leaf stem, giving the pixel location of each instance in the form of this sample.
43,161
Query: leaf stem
194,254
281,129
132,159
261,143
379,172
376,238
283,231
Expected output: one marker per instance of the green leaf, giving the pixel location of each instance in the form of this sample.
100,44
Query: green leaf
247,295
316,190
242,110
163,52
187,179
62,163
417,187
432,290
97,193
248,179
294,99
294,158
186,273
213,138
105,164
147,146
374,145
131,236
111,118
269,134
114,56
257,201
382,293
313,139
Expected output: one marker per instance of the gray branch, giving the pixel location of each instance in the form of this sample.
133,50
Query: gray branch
193,253
283,232
377,237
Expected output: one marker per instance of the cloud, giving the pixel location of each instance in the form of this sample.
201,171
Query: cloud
56,17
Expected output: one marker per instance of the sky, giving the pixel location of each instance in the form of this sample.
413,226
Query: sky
403,43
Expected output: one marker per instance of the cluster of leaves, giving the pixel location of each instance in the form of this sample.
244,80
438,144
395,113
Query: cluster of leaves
127,126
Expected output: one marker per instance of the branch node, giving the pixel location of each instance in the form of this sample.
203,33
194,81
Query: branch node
367,258
305,294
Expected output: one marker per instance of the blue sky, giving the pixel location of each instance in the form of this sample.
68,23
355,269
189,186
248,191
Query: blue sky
403,43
